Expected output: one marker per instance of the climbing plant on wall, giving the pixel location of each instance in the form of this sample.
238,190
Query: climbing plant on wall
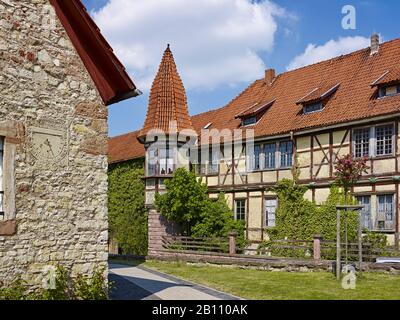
127,212
300,219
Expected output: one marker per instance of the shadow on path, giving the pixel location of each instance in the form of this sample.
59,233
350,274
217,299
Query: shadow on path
123,289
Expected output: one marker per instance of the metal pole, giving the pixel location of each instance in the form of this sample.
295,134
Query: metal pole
360,253
346,236
338,262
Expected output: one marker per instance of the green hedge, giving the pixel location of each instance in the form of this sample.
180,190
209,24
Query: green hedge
126,207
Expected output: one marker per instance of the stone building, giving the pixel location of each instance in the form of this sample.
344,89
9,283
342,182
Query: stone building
57,74
310,116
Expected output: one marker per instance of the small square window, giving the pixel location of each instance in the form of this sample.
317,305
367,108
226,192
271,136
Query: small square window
313,107
249,121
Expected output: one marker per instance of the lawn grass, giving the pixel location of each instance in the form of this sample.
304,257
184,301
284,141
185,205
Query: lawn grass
264,285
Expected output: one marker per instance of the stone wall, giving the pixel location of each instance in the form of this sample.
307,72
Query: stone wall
158,227
60,163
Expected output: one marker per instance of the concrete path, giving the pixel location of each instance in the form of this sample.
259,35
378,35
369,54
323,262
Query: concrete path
140,283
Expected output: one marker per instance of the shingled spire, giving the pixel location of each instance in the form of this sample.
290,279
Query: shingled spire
167,102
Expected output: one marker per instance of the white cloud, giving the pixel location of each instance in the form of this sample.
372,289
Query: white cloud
214,41
332,48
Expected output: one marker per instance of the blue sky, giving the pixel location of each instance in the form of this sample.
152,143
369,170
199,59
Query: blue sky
255,35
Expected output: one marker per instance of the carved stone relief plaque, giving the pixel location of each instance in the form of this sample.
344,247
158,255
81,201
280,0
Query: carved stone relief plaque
48,144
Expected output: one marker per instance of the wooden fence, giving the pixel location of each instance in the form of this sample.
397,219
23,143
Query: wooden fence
316,249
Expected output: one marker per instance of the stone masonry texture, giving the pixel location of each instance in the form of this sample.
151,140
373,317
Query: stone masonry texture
60,210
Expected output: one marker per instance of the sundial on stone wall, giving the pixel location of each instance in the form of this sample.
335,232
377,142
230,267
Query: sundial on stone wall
48,144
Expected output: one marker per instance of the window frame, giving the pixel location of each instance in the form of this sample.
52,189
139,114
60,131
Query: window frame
368,221
12,133
373,140
318,104
378,212
277,158
244,200
249,121
265,215
2,211
382,91
289,159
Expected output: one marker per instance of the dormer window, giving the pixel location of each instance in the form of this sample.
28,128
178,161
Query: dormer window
315,100
313,107
387,91
252,115
388,83
249,121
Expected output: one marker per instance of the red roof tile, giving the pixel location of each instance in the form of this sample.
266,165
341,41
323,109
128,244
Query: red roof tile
107,72
390,76
255,109
318,94
125,147
353,100
167,101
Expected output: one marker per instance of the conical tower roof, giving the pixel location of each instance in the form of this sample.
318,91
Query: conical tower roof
167,102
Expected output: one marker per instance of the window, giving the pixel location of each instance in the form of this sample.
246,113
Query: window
385,212
361,142
286,151
384,140
272,155
256,160
240,209
374,141
313,107
389,91
166,161
270,206
213,163
366,211
1,179
249,121
269,151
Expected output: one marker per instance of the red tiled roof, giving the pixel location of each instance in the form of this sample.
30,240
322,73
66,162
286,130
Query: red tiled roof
390,76
107,72
125,147
319,94
167,101
353,100
255,109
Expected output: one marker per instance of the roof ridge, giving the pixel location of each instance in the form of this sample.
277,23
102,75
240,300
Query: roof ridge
359,51
124,134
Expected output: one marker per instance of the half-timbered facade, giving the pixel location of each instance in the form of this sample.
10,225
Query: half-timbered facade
303,119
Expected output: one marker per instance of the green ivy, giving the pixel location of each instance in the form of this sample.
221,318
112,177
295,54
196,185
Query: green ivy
126,207
300,219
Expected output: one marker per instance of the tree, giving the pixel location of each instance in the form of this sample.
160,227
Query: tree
127,212
184,200
348,171
217,221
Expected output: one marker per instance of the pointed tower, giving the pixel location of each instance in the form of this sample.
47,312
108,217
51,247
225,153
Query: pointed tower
168,137
167,110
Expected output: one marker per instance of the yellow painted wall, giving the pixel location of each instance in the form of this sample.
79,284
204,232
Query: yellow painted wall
254,177
384,166
321,195
254,218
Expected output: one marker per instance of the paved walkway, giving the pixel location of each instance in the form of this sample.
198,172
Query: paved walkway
140,283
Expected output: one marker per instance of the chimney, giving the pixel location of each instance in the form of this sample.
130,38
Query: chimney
269,76
374,43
